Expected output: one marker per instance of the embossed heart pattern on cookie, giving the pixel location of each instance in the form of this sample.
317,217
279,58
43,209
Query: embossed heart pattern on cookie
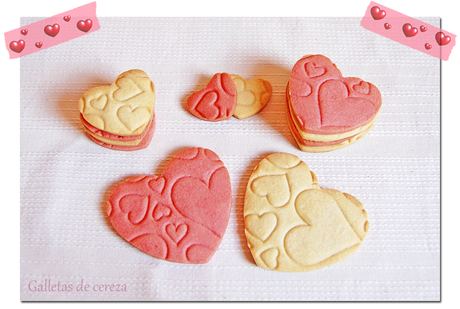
229,95
179,216
120,116
293,225
327,111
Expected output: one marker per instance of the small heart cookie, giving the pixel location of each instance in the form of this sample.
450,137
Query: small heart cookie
216,102
252,96
293,225
113,115
180,216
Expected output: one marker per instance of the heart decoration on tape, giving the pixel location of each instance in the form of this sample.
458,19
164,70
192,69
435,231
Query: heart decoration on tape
85,25
442,39
377,13
52,30
387,26
24,31
17,46
39,44
409,31
311,228
180,216
67,18
423,28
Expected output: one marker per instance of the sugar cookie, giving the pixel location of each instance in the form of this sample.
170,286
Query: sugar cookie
293,225
121,112
252,96
326,107
180,216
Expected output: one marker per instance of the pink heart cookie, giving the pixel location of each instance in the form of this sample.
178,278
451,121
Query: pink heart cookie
324,102
217,101
180,216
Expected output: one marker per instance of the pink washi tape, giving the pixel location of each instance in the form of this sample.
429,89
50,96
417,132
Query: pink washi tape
408,31
52,31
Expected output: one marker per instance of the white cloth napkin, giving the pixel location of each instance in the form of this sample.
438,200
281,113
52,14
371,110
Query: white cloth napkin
67,239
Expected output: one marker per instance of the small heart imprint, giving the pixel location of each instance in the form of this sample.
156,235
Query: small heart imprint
67,18
428,46
180,216
217,101
24,31
377,13
442,39
409,31
387,26
423,28
85,25
39,44
52,30
17,46
314,227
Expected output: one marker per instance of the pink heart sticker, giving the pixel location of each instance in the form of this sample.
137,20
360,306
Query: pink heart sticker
85,25
52,30
17,46
442,39
377,13
409,31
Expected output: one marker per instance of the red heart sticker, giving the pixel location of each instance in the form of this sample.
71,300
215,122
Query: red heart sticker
52,30
423,28
387,26
409,31
180,216
428,46
85,25
377,13
67,18
334,104
17,46
217,101
39,44
24,31
442,39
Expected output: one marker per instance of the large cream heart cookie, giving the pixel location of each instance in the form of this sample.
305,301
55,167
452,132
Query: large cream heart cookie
293,225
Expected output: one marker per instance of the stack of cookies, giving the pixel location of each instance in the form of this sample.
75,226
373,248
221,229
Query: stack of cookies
120,116
325,110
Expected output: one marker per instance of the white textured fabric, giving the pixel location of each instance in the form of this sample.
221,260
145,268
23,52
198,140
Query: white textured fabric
66,179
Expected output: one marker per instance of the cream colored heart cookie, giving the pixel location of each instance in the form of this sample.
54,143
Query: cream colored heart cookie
124,108
293,225
252,96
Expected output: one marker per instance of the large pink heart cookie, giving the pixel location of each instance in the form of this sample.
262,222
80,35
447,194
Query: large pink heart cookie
180,216
325,102
217,101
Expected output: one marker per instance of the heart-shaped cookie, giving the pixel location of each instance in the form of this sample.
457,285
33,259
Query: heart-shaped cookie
180,216
120,116
325,102
314,227
124,108
217,101
252,96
